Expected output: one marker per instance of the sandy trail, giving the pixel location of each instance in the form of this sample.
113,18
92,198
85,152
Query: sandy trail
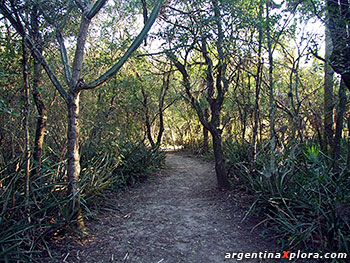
176,216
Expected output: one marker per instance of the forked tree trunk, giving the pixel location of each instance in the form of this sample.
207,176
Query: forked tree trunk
73,157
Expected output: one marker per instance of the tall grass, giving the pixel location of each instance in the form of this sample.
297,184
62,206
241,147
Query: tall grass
25,230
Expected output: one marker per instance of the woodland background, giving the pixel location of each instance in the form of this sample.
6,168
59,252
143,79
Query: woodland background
89,101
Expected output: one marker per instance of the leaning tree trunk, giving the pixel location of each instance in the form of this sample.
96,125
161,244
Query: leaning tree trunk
73,157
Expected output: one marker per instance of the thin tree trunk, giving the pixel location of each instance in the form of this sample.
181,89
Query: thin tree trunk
26,124
328,94
257,91
161,99
205,148
38,100
271,95
348,150
339,125
73,157
147,118
42,118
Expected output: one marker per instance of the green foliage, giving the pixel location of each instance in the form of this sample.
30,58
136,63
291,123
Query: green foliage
304,202
237,156
26,231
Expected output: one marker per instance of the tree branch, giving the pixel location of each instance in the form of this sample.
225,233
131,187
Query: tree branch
46,67
64,57
95,9
187,85
137,42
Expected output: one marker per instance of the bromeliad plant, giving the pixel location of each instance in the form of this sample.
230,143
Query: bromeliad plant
27,227
304,202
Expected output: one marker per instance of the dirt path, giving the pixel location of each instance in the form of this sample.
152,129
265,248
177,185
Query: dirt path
177,216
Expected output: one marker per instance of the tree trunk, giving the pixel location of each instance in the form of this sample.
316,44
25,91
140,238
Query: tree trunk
271,95
161,128
73,157
220,169
161,99
328,95
348,150
205,147
339,125
338,14
147,118
41,121
258,80
39,103
26,124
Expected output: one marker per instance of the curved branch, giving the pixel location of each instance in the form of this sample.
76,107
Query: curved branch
137,42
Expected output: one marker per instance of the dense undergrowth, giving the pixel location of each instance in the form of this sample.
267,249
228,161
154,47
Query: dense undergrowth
304,202
26,225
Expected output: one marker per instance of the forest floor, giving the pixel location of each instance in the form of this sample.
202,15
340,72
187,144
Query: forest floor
175,216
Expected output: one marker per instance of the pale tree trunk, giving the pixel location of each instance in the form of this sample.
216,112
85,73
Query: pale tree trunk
328,94
73,157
